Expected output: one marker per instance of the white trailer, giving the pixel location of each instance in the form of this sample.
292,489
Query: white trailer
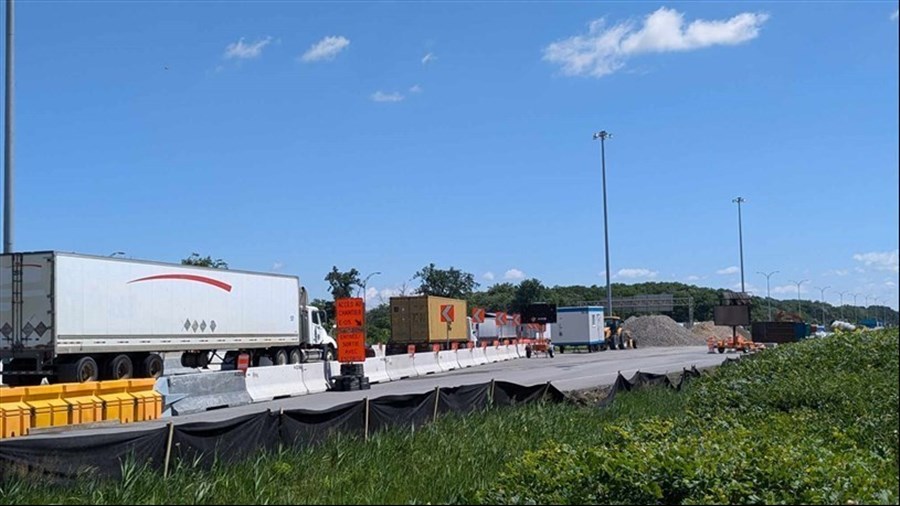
489,330
580,326
79,317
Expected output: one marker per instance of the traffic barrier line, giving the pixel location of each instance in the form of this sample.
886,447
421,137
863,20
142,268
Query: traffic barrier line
84,405
49,410
15,415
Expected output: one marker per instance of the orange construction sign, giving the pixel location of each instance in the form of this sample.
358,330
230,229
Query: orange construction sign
351,313
351,347
477,315
447,313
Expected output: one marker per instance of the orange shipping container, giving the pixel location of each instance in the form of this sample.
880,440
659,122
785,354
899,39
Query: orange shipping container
417,320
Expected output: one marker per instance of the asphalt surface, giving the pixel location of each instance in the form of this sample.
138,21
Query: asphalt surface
567,372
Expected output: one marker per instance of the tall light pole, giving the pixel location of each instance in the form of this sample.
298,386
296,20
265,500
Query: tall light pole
867,305
603,135
875,310
855,308
365,282
739,201
798,283
822,298
842,304
768,299
8,134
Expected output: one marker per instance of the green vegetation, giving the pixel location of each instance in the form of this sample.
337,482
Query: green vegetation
814,422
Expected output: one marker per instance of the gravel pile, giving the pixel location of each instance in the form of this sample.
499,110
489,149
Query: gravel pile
660,330
706,329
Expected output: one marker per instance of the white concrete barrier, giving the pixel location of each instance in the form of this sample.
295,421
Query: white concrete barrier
267,383
426,363
520,350
335,368
492,353
376,370
479,356
399,367
510,352
447,360
379,350
465,358
314,376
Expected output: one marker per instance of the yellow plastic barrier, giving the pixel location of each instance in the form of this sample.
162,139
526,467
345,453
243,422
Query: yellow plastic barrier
118,404
15,415
148,402
48,407
85,407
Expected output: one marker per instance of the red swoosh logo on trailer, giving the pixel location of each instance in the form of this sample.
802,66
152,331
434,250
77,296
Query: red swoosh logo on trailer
188,277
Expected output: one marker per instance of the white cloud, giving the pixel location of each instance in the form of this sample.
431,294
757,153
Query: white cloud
880,260
277,266
243,51
839,272
380,96
637,273
375,296
415,89
890,283
895,14
488,276
729,270
604,50
789,289
325,49
514,274
430,57
692,278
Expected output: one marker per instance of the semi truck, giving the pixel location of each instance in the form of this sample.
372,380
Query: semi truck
76,317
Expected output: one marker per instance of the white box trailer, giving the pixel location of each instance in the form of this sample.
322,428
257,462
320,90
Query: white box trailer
59,311
489,330
579,326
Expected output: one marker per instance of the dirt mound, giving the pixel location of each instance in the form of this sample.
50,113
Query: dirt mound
706,329
660,330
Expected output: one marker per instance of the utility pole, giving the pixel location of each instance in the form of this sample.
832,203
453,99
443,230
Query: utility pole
739,201
842,304
8,132
822,298
603,135
855,308
768,299
798,283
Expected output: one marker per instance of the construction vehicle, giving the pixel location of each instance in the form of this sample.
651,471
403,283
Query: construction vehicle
81,318
613,332
539,347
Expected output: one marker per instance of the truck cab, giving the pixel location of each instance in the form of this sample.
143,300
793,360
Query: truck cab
314,336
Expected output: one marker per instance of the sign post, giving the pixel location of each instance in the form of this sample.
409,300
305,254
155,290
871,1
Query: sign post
477,319
447,315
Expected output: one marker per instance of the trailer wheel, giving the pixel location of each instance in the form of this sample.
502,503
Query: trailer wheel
281,357
120,367
152,366
296,356
86,369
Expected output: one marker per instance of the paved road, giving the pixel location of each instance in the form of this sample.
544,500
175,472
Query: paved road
570,371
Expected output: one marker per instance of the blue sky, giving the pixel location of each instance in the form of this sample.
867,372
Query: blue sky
294,136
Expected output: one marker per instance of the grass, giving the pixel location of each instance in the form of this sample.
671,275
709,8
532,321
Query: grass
806,423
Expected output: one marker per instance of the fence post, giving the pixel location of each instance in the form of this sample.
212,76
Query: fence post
491,394
367,421
544,394
168,450
437,398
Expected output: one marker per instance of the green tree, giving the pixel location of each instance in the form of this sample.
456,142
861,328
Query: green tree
342,282
528,291
207,261
378,324
452,282
498,297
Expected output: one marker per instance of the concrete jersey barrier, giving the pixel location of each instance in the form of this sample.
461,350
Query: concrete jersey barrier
193,393
376,369
267,383
400,366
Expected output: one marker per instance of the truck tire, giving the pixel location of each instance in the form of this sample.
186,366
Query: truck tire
296,356
528,352
329,354
120,367
280,357
152,366
86,370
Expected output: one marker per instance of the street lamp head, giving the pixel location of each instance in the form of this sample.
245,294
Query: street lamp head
602,134
738,200
117,253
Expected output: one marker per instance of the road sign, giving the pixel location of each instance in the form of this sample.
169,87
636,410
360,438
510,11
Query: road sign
477,315
500,318
351,347
517,319
447,313
351,313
